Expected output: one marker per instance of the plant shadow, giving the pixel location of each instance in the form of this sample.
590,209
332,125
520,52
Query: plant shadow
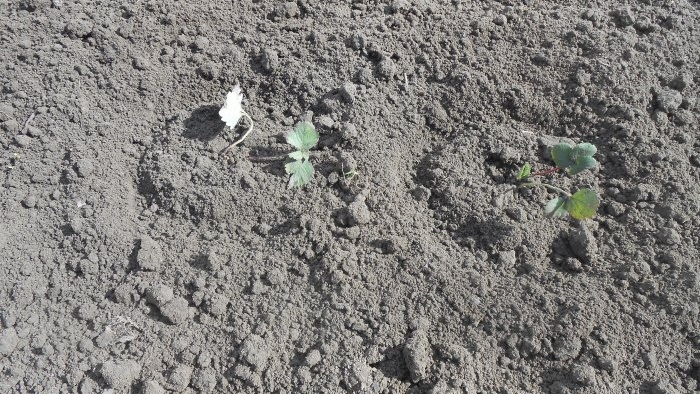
271,160
393,365
491,234
204,124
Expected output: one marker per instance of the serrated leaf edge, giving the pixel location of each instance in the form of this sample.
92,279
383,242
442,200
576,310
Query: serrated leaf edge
595,209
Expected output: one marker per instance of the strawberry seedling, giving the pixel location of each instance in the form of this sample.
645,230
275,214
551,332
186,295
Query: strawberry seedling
303,138
349,175
583,204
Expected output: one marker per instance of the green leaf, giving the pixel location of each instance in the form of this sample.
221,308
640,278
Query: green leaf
583,149
582,163
301,172
575,160
561,154
583,204
524,172
303,137
556,207
299,155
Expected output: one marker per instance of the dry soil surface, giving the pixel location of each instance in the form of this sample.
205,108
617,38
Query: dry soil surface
134,258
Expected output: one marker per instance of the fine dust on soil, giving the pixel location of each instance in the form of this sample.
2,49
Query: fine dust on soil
136,259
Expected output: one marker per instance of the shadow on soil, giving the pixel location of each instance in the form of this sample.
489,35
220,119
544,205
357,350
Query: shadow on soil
393,365
204,124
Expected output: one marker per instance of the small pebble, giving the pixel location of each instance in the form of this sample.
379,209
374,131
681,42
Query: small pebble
386,68
624,17
120,374
417,354
29,201
583,375
669,236
85,167
347,91
150,255
176,311
348,131
500,20
141,63
583,244
313,358
180,377
507,259
8,341
668,100
23,140
152,387
159,295
254,351
201,43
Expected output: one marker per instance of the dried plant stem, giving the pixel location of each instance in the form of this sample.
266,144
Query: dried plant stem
250,128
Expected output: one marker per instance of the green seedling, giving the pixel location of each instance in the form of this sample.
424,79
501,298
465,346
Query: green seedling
303,138
583,204
349,175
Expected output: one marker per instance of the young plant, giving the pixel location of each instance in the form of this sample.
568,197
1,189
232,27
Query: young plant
583,204
303,138
349,175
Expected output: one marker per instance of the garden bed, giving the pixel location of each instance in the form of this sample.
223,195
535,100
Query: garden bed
137,258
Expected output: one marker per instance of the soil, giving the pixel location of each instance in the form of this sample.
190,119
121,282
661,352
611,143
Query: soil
136,259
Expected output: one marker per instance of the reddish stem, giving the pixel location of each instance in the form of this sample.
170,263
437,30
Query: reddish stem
546,172
266,158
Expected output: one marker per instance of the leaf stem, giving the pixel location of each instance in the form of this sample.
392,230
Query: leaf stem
250,128
278,157
546,186
546,172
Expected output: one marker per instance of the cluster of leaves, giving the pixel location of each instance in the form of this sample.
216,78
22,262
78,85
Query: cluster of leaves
574,159
303,138
583,204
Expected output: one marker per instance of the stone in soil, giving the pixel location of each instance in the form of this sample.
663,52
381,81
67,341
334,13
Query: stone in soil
180,377
418,355
120,374
176,311
255,352
159,295
23,140
357,213
152,387
583,244
669,236
8,341
668,100
150,255
358,377
583,374
204,380
567,348
85,167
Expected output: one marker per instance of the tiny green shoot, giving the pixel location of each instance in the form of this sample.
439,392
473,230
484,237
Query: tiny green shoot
524,172
583,204
303,138
349,175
